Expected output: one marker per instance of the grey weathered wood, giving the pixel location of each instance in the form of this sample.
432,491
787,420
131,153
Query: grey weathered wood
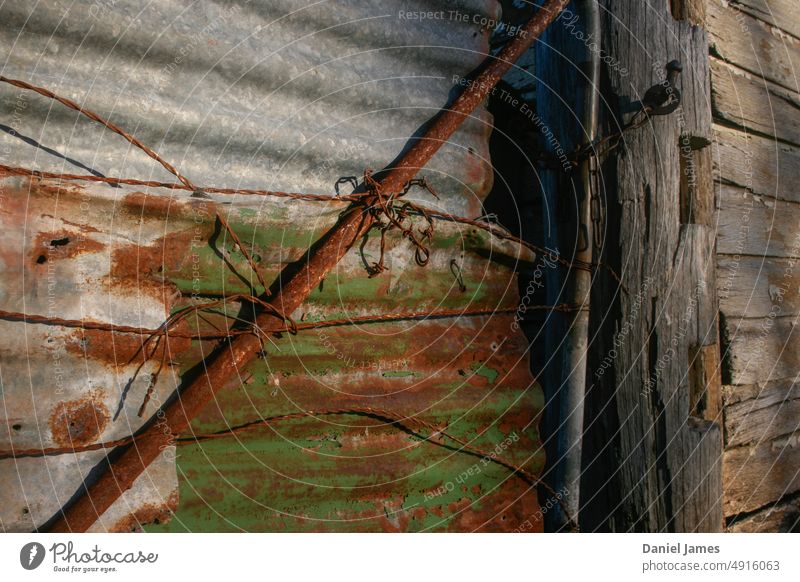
756,476
755,103
782,517
697,484
757,225
668,269
772,392
758,164
775,412
751,44
778,13
762,349
758,105
752,286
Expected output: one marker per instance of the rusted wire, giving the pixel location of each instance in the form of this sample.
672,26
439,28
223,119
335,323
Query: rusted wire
429,213
380,204
166,329
25,172
501,233
409,423
104,122
55,451
246,254
188,184
404,422
493,229
121,472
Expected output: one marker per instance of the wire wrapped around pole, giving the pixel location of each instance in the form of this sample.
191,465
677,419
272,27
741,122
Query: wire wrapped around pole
121,472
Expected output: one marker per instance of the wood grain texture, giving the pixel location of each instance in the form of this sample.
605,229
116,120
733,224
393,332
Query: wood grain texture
781,517
739,393
698,480
754,287
761,165
698,179
774,412
743,100
668,269
749,43
695,11
761,349
757,168
759,475
705,383
781,14
756,225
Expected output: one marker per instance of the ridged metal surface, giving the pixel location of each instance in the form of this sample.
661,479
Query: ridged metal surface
280,95
272,95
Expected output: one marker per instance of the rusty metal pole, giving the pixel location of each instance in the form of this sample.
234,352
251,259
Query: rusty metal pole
122,471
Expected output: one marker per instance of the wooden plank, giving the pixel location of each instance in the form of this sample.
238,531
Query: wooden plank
756,225
760,165
761,349
757,286
781,14
758,105
746,42
739,393
756,476
756,238
775,412
781,517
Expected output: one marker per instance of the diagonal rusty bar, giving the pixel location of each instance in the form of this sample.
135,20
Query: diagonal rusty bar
122,471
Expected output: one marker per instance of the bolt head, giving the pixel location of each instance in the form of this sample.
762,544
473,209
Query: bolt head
675,66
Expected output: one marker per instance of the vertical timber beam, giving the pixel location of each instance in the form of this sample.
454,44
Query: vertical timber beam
667,460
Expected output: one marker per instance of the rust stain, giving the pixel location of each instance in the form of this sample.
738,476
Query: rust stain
132,262
503,511
143,269
120,349
121,473
141,205
79,422
84,228
59,245
147,514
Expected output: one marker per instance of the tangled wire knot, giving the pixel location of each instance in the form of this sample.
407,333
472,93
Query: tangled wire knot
384,206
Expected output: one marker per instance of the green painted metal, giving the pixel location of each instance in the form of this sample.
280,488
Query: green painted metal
350,472
297,120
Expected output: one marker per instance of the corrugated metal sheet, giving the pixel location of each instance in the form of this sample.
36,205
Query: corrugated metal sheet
280,96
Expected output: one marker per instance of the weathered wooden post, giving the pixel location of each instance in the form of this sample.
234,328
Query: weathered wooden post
652,437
